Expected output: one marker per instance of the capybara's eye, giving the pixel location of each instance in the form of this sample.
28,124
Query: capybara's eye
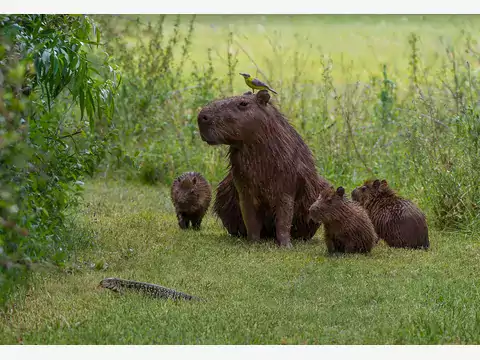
364,188
243,104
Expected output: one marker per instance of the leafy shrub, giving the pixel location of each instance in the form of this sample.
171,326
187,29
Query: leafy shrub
56,106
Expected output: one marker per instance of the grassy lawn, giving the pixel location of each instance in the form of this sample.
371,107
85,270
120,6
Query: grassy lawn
256,294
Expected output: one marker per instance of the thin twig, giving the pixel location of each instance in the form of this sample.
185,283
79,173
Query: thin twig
253,61
179,91
346,115
347,120
72,134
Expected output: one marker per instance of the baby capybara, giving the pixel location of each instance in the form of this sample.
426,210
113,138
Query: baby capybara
348,229
398,221
273,178
191,195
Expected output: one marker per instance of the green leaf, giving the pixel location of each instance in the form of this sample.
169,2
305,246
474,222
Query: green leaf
90,110
81,96
46,60
99,107
55,65
98,37
62,50
95,71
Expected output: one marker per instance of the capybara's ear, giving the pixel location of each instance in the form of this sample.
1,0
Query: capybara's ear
376,184
340,191
263,97
384,183
186,184
248,93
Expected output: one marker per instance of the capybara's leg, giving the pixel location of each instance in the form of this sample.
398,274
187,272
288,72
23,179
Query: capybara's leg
196,222
250,217
283,220
183,222
227,207
330,245
426,243
351,248
329,241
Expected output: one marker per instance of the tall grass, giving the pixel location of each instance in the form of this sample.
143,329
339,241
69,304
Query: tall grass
412,118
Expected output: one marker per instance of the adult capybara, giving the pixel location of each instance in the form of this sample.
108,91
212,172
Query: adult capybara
348,228
272,180
398,221
191,195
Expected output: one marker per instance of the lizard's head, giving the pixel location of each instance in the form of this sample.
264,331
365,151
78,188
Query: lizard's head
108,283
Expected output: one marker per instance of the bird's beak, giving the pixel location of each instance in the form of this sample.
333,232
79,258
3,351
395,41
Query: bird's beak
242,74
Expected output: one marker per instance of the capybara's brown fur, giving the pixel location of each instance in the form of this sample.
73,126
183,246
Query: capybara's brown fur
273,177
398,221
348,228
226,207
191,195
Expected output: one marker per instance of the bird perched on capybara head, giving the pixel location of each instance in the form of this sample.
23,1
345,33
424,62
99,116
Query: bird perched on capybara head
273,176
398,221
191,195
348,228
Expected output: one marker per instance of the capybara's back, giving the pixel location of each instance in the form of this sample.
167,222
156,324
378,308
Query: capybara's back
191,195
348,228
398,221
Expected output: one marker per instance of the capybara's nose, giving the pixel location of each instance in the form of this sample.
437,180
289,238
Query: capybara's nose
203,118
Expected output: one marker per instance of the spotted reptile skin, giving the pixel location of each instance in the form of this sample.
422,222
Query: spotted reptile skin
157,291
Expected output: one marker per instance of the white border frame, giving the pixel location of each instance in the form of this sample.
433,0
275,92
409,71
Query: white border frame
241,7
223,352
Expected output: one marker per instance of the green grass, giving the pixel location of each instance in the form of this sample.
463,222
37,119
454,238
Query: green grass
256,294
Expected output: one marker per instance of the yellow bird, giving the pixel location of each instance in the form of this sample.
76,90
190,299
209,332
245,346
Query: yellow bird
256,84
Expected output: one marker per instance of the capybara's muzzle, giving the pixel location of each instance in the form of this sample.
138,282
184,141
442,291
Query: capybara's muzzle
205,123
